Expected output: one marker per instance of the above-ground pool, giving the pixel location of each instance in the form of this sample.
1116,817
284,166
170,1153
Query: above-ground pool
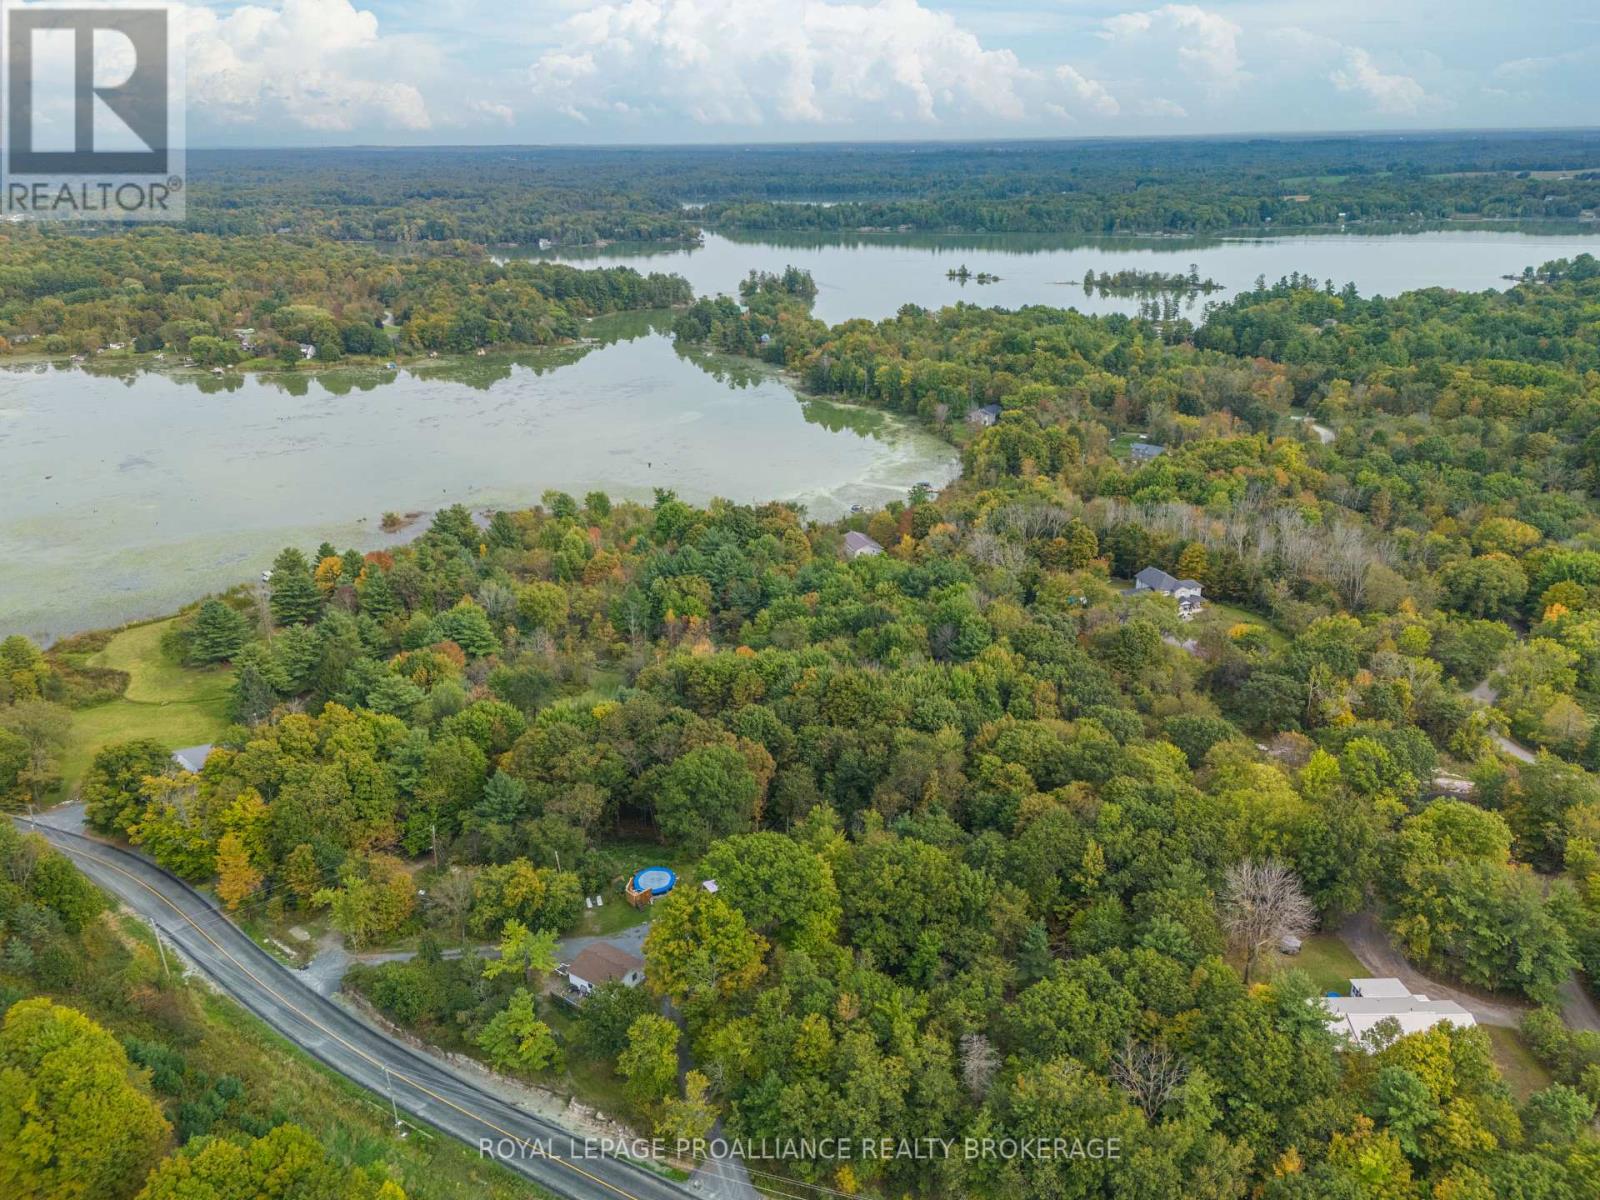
658,881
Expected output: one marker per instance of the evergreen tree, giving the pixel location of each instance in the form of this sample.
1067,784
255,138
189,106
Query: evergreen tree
219,632
378,600
295,598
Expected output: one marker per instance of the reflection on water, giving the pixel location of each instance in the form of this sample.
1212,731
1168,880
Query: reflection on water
128,494
872,275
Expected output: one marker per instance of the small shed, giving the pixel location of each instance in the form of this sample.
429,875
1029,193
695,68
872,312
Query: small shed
601,962
1289,944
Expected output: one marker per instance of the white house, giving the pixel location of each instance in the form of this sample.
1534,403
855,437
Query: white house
1372,1001
1187,592
858,544
601,962
982,418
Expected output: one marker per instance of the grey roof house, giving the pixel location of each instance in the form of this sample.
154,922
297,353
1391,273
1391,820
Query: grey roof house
984,417
1372,1001
192,758
858,544
1187,592
1143,452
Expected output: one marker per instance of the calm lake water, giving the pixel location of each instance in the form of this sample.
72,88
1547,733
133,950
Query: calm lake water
873,275
126,496
130,496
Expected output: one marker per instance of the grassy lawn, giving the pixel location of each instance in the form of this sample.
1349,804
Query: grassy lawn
616,916
1523,1073
1231,614
177,706
1323,957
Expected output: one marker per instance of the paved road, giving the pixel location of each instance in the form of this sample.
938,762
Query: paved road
423,1087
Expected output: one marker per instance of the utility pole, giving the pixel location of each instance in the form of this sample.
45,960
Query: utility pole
433,831
389,1086
162,950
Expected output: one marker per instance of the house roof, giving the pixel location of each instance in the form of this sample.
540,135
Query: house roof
1156,578
601,962
1387,999
992,409
1387,988
859,542
1145,449
192,758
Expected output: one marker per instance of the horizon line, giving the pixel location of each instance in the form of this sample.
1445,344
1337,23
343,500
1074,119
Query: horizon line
954,141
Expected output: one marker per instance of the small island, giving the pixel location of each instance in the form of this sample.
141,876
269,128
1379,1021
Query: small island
962,274
1131,282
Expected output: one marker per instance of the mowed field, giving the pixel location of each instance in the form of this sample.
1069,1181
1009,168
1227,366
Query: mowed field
177,706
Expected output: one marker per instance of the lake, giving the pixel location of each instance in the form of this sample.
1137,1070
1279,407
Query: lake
128,496
872,275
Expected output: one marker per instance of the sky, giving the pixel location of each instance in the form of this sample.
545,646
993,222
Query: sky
421,72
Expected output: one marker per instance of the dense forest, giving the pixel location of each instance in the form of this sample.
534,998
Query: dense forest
573,196
985,826
1003,848
258,300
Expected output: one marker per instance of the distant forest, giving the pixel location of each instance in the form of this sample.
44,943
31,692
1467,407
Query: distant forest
584,195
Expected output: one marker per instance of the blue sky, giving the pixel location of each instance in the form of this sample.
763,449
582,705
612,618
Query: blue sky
318,72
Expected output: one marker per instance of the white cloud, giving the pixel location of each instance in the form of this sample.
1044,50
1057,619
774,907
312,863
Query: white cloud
311,64
493,110
1093,94
1160,106
1205,43
1396,95
770,62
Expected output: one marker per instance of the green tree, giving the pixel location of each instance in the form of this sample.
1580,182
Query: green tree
14,759
690,1118
219,631
295,599
607,1014
373,901
649,1062
515,1038
529,951
43,727
287,1163
699,951
704,794
75,1122
112,786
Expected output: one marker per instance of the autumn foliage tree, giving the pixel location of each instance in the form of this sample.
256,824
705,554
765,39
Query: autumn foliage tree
75,1120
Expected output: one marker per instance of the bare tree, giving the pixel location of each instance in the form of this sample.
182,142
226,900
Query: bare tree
1150,1074
1263,903
979,1064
